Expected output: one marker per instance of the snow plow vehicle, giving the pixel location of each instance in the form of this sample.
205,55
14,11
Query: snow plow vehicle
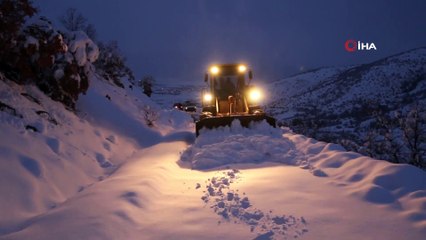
230,98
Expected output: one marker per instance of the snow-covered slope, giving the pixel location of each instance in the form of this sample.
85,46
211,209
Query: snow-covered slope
168,94
392,82
298,84
376,109
48,154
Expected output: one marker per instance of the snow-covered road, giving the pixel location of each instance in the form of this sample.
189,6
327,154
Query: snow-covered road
149,197
153,196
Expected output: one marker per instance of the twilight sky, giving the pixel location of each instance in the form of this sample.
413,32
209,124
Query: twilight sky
176,40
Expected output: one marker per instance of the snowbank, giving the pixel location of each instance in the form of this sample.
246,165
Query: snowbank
49,154
133,115
236,144
398,186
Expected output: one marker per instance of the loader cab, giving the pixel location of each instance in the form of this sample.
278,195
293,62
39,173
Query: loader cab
227,79
225,86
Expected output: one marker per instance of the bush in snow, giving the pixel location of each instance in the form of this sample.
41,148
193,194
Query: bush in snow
33,52
146,84
112,65
59,64
414,128
399,137
310,123
150,115
73,21
13,14
384,140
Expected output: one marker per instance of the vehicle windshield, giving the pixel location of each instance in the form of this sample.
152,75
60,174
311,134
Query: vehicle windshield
226,83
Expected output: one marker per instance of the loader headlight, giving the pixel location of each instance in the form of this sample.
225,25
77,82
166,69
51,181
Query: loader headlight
207,97
214,70
242,68
255,95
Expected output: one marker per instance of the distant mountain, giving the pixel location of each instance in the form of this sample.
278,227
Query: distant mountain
341,104
167,95
392,82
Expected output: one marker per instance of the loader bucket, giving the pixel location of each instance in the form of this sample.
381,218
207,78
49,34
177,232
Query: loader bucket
223,121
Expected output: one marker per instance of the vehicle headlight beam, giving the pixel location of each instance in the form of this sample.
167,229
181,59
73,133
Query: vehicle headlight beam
214,70
255,95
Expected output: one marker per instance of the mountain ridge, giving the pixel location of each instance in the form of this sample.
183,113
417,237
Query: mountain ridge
362,105
339,78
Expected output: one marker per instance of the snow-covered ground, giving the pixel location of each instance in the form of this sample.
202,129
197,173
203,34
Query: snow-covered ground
106,174
166,95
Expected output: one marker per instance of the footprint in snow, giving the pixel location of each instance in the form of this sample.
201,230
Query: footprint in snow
228,204
132,198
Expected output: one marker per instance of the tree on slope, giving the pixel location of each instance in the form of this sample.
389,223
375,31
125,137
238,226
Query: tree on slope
13,14
111,64
413,125
399,136
72,20
59,65
146,84
33,52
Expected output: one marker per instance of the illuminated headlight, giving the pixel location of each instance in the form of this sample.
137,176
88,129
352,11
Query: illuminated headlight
214,70
207,97
255,95
242,68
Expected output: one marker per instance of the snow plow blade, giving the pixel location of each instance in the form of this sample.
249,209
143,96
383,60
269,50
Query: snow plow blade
223,121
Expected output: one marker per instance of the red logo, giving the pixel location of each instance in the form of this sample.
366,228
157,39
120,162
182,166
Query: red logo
351,45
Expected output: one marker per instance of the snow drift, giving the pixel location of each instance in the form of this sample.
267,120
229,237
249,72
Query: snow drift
236,144
399,186
48,154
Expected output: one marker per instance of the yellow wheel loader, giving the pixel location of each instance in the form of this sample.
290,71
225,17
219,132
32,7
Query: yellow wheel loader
230,98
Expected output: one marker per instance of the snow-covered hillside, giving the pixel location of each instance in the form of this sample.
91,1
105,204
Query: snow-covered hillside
377,109
49,154
167,95
123,167
392,82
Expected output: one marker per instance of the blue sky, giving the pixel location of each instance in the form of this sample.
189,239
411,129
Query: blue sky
176,40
